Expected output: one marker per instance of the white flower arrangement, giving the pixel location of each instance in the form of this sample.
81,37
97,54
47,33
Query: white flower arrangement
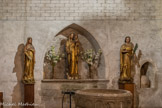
89,56
53,57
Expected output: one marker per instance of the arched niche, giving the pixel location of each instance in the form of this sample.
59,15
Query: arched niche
87,40
147,74
74,28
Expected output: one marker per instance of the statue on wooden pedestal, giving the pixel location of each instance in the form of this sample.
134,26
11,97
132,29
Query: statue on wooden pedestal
72,50
127,52
29,60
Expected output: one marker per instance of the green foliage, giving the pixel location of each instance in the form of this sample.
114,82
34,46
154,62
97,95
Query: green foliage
135,48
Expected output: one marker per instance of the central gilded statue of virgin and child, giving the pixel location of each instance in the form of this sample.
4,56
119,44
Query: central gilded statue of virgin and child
73,51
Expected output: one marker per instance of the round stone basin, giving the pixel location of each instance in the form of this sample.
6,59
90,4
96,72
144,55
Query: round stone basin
103,98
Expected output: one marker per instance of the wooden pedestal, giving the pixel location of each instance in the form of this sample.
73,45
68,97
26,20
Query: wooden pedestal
130,87
29,95
1,99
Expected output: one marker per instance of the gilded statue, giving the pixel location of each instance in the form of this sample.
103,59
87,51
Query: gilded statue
72,50
126,55
29,60
77,51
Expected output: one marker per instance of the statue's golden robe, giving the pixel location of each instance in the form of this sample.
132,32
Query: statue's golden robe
126,53
72,50
29,64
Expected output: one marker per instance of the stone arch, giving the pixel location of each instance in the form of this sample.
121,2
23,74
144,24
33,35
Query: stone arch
80,30
148,70
100,104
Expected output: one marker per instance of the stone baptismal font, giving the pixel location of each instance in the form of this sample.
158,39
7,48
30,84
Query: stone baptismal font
103,98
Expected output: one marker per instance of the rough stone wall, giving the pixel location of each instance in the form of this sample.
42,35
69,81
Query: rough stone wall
109,21
49,10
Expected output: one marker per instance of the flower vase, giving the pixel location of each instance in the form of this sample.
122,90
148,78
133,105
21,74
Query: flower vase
90,71
53,71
